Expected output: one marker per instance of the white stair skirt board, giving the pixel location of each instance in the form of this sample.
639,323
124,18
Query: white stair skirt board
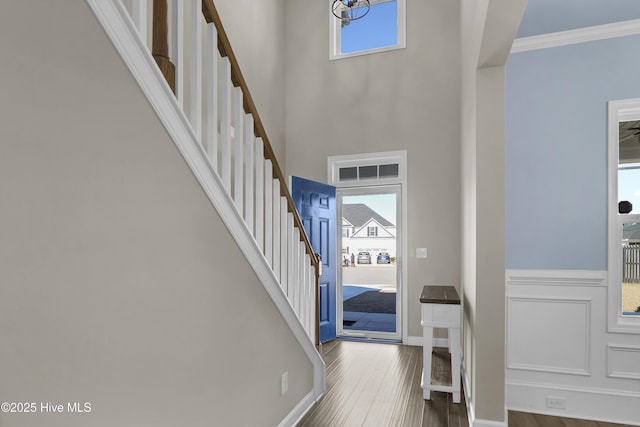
301,409
123,34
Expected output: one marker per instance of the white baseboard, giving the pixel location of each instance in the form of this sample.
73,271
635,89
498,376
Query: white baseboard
611,406
473,421
417,341
301,409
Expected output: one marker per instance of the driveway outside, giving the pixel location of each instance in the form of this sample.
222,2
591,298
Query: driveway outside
374,274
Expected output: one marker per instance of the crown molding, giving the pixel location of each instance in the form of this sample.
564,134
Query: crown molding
581,35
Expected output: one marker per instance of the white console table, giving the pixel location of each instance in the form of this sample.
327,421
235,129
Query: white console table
441,309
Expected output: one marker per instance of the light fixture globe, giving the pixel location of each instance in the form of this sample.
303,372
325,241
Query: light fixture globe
350,10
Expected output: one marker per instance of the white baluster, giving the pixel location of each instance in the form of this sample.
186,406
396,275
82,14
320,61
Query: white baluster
139,17
195,111
283,244
259,230
177,47
302,278
276,227
311,286
292,261
225,122
211,115
249,167
238,152
268,211
300,274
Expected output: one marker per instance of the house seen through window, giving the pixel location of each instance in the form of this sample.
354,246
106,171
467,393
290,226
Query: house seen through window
628,209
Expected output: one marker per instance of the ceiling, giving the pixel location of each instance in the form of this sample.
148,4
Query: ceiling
550,16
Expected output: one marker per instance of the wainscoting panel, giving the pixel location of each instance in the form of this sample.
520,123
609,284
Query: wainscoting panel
623,361
548,334
560,358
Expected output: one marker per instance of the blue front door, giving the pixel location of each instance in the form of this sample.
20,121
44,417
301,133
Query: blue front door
316,205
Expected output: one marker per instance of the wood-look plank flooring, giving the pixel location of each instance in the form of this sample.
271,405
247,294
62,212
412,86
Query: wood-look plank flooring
374,384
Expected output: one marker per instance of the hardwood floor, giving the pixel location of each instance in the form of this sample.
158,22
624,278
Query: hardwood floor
378,385
373,384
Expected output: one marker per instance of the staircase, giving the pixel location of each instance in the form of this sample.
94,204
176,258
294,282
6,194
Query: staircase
192,79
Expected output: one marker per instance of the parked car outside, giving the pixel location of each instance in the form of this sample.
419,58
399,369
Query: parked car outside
384,258
364,258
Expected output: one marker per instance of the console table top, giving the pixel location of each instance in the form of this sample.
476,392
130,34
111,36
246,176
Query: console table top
439,294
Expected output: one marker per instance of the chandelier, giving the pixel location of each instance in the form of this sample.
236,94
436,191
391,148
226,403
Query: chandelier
350,10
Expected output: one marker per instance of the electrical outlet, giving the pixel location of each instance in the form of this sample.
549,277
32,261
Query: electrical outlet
285,382
556,402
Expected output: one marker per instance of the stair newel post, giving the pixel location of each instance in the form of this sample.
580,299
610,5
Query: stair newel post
160,43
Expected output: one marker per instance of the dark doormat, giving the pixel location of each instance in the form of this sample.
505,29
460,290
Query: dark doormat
372,302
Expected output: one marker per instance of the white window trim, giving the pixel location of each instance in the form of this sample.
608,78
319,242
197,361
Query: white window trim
618,111
335,33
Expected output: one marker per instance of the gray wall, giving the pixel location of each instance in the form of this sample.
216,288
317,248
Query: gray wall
405,99
488,29
119,284
557,151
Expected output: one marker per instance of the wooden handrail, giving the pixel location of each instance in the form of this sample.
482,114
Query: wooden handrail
224,46
160,43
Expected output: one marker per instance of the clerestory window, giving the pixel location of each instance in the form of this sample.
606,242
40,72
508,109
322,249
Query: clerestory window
382,28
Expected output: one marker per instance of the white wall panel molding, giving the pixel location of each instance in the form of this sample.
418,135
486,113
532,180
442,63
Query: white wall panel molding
556,277
581,35
549,334
557,345
623,361
600,404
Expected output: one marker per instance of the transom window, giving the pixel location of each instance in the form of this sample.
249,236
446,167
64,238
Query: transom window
368,169
381,29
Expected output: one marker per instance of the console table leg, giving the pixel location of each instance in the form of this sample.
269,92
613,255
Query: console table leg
427,348
454,345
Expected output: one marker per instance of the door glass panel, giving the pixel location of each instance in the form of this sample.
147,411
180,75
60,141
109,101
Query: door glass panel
348,173
369,272
389,171
368,171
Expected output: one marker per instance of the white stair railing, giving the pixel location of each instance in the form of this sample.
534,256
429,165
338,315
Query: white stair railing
213,95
